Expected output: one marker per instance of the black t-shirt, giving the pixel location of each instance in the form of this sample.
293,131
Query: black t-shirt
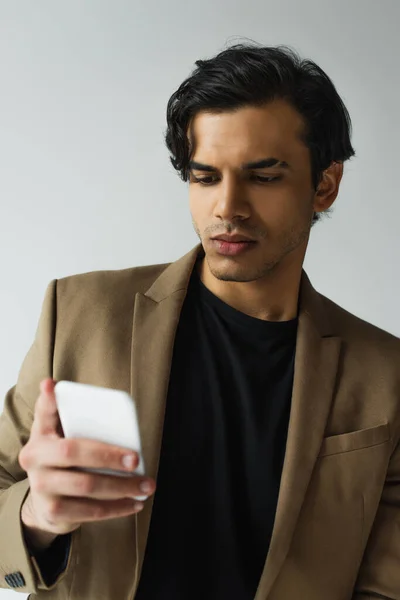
222,454
223,447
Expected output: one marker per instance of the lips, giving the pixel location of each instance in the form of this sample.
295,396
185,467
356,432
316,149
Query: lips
228,248
232,239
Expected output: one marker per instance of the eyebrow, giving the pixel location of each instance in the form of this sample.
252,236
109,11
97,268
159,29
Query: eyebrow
259,164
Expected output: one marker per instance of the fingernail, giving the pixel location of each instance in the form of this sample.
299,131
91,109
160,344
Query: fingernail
129,461
146,487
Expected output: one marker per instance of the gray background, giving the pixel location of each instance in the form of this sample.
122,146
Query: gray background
85,179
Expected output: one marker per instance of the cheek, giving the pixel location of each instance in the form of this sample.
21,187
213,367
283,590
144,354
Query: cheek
200,209
192,202
275,208
283,206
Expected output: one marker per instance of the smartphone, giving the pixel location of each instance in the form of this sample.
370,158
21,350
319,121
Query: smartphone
102,414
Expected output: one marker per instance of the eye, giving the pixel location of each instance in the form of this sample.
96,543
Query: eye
257,178
202,180
267,179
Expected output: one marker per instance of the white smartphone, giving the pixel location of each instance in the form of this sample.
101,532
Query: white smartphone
102,414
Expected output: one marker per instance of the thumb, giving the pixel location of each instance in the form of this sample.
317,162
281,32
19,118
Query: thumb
46,419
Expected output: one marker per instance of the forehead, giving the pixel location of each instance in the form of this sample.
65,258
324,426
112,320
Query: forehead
248,132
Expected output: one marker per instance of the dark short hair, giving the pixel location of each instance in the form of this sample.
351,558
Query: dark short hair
253,75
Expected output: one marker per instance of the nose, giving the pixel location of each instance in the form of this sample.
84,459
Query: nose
230,201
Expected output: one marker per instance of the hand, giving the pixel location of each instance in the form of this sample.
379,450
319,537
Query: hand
61,498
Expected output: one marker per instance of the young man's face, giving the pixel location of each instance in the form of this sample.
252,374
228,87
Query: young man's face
276,213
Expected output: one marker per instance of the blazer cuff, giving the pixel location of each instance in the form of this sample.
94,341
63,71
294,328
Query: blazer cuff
17,565
14,556
52,561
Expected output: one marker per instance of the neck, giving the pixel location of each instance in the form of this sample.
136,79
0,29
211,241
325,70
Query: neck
272,299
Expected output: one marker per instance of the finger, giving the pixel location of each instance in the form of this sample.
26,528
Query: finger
71,510
46,419
78,453
62,482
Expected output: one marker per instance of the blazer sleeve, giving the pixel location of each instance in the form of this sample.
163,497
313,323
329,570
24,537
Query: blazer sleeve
19,569
53,560
379,574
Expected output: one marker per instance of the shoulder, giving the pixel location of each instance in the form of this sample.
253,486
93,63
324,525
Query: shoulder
351,325
107,282
99,296
371,347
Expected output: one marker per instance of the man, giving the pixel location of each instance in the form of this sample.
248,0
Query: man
269,415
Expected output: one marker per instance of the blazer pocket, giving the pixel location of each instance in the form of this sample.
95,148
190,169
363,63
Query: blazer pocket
355,440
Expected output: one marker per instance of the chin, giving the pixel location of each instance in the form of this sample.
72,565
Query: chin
226,269
241,268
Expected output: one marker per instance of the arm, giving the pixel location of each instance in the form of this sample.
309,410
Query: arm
15,423
379,574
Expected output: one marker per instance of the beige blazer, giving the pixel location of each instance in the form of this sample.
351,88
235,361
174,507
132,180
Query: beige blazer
337,526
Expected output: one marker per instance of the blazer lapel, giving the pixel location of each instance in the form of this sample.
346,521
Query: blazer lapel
155,320
316,364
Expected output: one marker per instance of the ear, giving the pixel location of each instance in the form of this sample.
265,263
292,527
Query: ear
328,188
